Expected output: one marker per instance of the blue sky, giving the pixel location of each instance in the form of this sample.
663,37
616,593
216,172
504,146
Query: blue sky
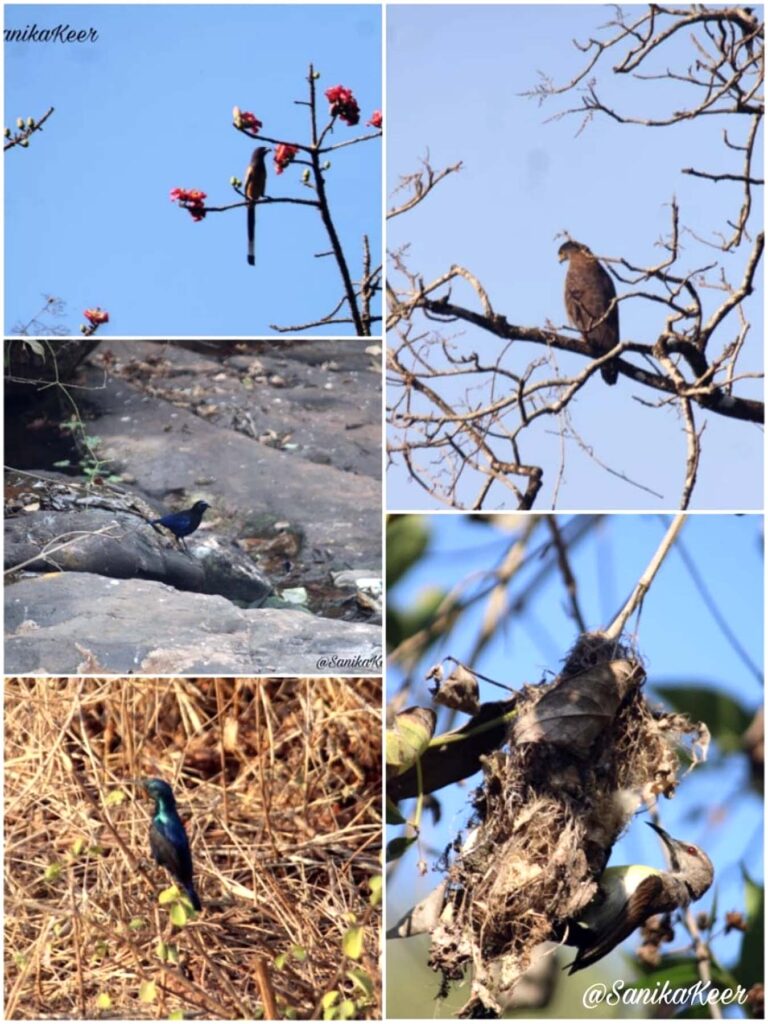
455,75
148,107
678,638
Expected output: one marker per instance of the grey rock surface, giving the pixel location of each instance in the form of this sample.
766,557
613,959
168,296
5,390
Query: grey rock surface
283,440
77,623
191,447
124,546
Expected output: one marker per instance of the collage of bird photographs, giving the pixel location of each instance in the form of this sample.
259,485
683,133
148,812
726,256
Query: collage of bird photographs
384,511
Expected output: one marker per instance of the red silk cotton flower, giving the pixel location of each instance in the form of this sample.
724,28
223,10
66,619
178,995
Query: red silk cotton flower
343,104
96,316
191,199
250,121
376,120
285,154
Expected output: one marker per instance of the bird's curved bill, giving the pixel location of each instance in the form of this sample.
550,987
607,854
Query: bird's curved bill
664,835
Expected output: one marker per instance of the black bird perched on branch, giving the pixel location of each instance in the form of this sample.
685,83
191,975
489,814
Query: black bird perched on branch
590,301
254,186
181,524
168,838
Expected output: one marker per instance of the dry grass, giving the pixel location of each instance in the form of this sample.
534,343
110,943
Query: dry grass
279,784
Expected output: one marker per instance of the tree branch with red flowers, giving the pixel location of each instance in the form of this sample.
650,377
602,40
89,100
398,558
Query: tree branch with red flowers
354,305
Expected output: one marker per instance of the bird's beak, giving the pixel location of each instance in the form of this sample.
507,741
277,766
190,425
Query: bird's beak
669,842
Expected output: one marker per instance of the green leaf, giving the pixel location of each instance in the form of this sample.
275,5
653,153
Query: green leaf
148,992
409,736
52,872
329,999
176,1015
360,978
407,539
749,969
396,847
78,846
348,1010
299,953
62,464
116,797
352,943
183,898
179,914
376,886
168,895
103,1002
280,960
393,815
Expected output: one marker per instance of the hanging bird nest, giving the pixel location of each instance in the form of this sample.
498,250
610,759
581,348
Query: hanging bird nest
582,753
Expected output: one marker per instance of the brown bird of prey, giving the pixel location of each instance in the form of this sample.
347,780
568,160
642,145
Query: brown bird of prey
253,187
589,292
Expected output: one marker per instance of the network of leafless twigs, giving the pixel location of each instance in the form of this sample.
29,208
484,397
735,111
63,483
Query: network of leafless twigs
480,451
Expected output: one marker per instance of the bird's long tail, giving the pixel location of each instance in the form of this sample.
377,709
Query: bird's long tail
251,234
610,372
190,891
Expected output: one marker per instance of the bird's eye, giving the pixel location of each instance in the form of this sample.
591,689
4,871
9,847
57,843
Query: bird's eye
692,850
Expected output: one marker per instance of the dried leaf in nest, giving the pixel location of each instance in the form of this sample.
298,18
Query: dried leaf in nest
459,691
577,709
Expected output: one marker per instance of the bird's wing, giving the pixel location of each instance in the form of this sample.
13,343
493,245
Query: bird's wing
589,291
170,848
646,899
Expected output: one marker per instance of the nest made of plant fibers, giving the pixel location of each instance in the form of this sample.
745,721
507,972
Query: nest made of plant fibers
546,819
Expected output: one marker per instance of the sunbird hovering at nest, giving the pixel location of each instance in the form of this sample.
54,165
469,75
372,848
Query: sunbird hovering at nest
168,838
